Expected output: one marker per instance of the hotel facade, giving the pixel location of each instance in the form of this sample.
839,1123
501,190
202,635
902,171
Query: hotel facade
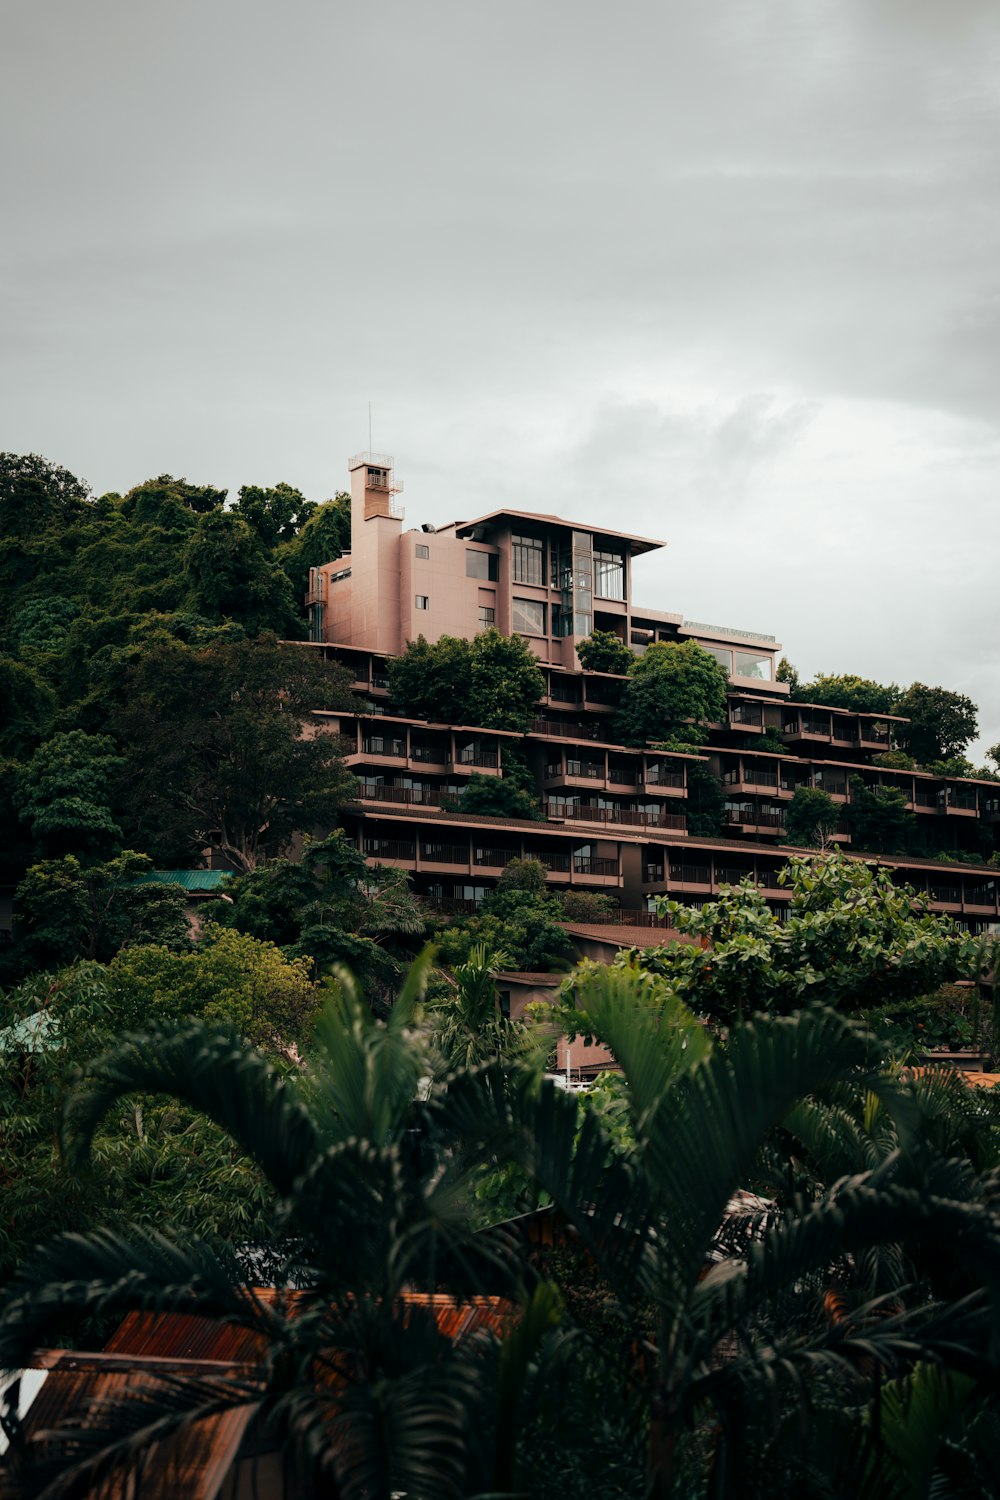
615,816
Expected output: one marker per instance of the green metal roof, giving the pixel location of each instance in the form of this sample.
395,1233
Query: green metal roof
191,880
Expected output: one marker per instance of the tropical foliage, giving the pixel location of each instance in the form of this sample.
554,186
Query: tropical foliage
672,691
492,681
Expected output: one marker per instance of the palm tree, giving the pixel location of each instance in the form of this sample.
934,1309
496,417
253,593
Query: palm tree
756,1327
466,1022
357,1380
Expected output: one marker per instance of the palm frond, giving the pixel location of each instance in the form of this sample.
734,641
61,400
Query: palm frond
214,1072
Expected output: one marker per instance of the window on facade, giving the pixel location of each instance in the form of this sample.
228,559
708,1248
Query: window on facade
423,550
487,617
481,564
422,601
609,575
528,559
722,656
528,617
750,664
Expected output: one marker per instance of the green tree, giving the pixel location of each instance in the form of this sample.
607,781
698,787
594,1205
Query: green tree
64,794
243,777
672,691
705,804
603,651
519,917
492,681
369,1190
153,1163
68,910
740,1347
852,938
810,817
27,707
878,818
511,795
786,672
330,908
941,723
274,515
466,1024
36,494
229,978
324,537
231,576
847,690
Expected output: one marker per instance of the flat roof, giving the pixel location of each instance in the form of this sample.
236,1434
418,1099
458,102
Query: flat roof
637,544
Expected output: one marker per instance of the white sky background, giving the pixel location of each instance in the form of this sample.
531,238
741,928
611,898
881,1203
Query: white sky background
726,274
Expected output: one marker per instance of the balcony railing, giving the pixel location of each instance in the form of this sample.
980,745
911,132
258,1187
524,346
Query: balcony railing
746,713
657,776
820,727
732,875
436,755
477,758
594,866
494,859
831,787
376,745
444,854
690,875
453,906
564,692
755,817
623,775
389,849
402,796
555,859
949,893
627,817
563,731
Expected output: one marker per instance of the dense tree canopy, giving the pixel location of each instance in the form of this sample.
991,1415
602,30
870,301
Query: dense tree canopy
846,690
492,681
243,777
603,651
672,691
852,939
941,723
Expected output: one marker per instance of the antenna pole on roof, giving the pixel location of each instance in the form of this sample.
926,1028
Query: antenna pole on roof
369,427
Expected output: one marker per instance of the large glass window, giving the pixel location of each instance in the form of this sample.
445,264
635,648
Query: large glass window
528,558
749,664
528,617
609,575
482,564
722,656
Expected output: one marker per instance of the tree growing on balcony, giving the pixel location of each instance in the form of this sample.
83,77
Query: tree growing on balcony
603,651
848,690
705,806
941,723
671,693
810,817
878,819
853,940
512,795
492,681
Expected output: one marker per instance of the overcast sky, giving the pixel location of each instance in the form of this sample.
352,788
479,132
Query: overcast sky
725,274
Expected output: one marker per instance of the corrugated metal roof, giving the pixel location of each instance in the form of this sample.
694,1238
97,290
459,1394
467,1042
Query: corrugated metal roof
191,880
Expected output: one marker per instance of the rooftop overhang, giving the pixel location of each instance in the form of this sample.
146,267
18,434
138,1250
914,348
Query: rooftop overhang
479,527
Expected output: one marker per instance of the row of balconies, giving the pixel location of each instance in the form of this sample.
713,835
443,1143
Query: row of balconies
974,897
431,855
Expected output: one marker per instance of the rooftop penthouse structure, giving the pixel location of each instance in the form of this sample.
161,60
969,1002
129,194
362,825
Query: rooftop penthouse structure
616,817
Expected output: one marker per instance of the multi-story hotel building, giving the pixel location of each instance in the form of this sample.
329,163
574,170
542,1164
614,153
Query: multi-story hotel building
615,816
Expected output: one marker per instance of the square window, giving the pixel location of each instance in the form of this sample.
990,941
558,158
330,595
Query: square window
528,617
422,550
487,617
422,601
481,564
